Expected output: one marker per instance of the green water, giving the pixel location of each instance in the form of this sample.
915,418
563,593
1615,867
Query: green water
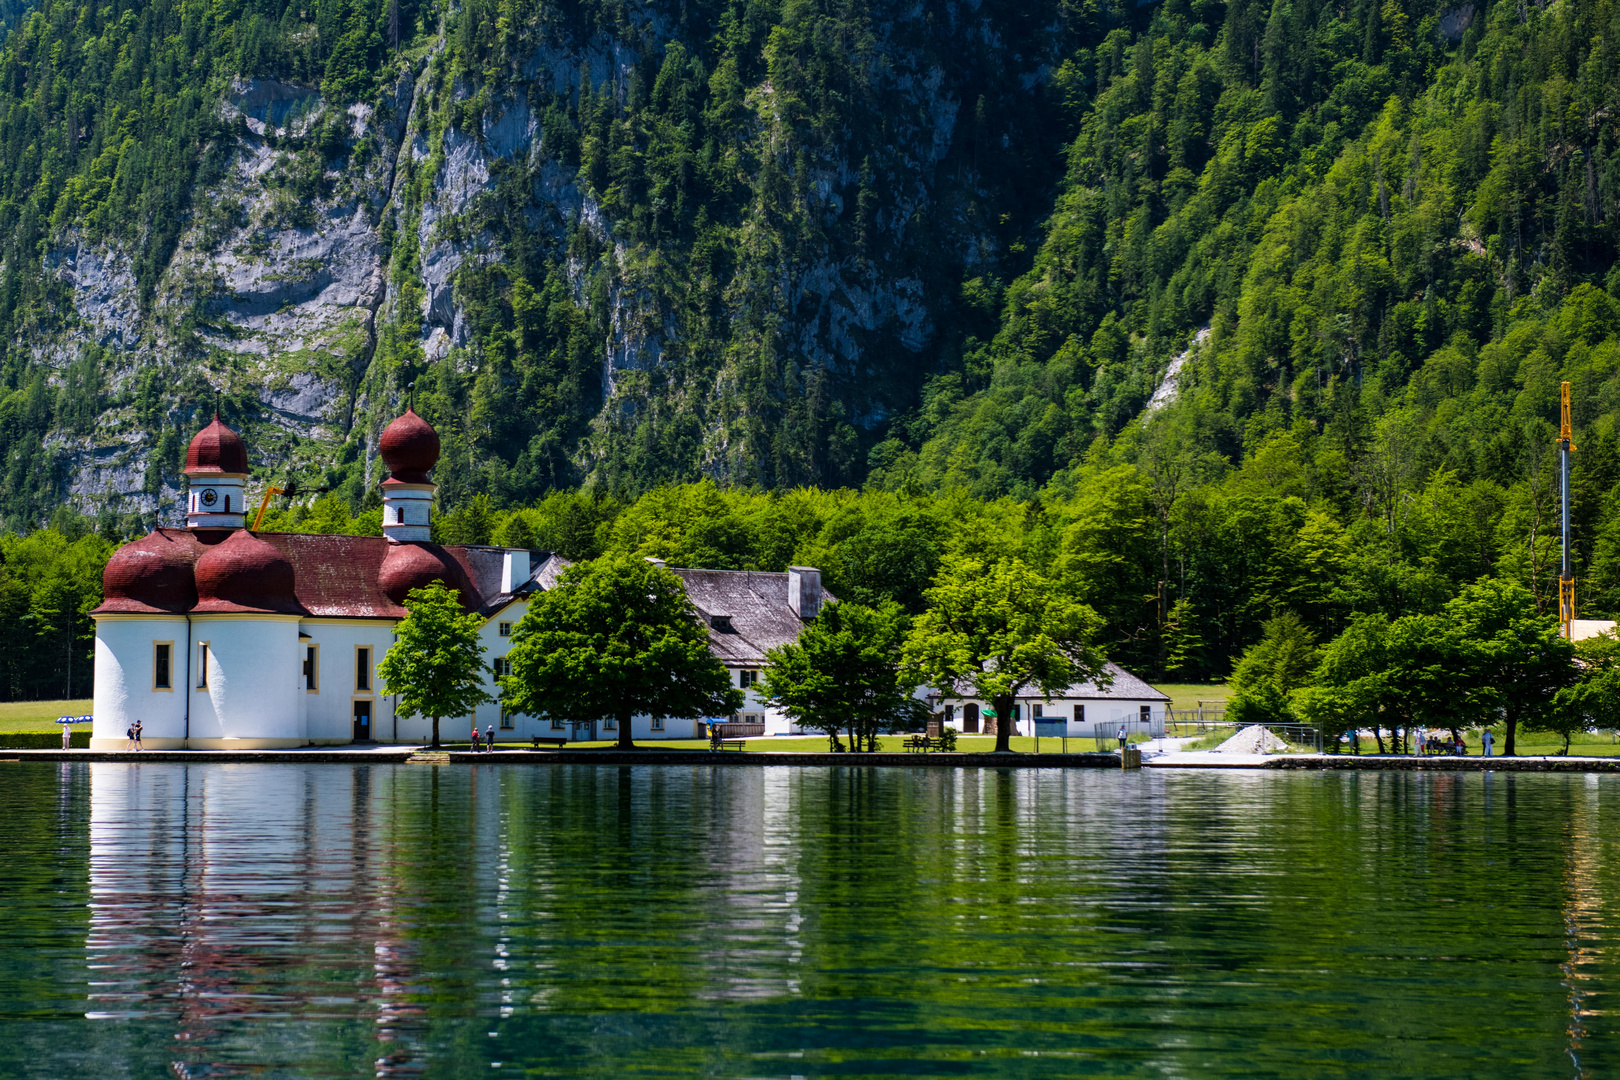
323,920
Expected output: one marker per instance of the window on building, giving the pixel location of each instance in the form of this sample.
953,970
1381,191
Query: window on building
362,669
1147,714
950,713
503,667
504,629
163,665
507,721
745,679
202,665
1079,714
1035,711
610,724
658,723
312,668
558,723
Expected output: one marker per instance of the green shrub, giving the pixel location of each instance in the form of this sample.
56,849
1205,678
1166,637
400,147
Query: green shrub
42,740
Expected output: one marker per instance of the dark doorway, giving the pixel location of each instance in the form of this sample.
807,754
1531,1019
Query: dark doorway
362,721
970,719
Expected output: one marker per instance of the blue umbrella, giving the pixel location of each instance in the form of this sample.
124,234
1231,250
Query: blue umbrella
85,719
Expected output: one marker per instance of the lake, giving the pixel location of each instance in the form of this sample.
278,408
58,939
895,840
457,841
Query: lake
490,921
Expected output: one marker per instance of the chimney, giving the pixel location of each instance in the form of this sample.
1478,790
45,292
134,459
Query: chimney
804,591
514,569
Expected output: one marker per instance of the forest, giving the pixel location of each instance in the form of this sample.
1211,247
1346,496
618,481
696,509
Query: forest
1375,236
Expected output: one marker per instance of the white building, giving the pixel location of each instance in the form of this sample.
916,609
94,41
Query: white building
748,613
1126,702
215,637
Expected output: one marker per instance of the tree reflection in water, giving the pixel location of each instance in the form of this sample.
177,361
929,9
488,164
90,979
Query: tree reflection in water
296,920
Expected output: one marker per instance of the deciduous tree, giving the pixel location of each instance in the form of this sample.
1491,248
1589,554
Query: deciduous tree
616,638
996,629
842,673
436,665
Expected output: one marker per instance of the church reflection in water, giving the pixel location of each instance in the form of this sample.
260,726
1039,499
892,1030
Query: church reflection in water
226,900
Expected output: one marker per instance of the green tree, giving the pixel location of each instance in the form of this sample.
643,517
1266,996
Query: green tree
1272,669
436,664
842,673
996,629
1593,699
616,638
1515,660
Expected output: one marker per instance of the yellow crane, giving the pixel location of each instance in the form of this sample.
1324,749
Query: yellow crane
264,504
290,490
1566,572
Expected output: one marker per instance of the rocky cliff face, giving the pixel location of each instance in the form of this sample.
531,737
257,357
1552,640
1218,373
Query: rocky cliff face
616,257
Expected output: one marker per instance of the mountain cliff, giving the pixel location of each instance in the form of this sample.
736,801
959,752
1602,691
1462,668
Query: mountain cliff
802,242
612,243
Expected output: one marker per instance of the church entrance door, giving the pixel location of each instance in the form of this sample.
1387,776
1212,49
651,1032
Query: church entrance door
362,721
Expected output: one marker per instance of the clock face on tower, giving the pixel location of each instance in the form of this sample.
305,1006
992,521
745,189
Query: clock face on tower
209,497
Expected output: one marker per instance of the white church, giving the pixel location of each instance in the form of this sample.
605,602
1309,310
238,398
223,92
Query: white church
216,637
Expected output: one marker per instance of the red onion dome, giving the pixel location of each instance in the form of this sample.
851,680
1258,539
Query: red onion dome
409,447
216,449
151,574
413,566
246,573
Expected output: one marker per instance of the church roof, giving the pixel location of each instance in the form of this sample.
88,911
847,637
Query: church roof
216,449
333,576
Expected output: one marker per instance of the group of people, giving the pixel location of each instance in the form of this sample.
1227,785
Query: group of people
1431,742
1427,742
134,736
488,739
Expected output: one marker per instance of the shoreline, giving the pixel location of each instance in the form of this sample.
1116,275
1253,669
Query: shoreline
1194,760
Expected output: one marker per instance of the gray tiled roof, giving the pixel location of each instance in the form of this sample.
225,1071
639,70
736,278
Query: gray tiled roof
757,605
1125,686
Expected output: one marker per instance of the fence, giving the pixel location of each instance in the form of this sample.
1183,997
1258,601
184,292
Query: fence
1207,717
1207,722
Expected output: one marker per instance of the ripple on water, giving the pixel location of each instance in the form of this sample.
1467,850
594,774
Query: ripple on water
327,920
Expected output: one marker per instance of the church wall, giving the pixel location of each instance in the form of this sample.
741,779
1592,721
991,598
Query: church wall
250,700
124,690
330,709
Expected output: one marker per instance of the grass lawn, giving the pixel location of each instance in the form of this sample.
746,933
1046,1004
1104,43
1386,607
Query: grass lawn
40,715
888,744
1187,695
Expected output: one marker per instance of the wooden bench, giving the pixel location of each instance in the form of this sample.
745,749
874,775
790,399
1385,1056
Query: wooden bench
719,740
548,740
923,744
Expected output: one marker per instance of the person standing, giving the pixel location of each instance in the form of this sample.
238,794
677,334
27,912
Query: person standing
1122,736
129,737
489,739
475,739
1486,737
137,730
1422,742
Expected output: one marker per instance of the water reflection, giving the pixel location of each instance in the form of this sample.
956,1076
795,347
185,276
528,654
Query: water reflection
410,920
